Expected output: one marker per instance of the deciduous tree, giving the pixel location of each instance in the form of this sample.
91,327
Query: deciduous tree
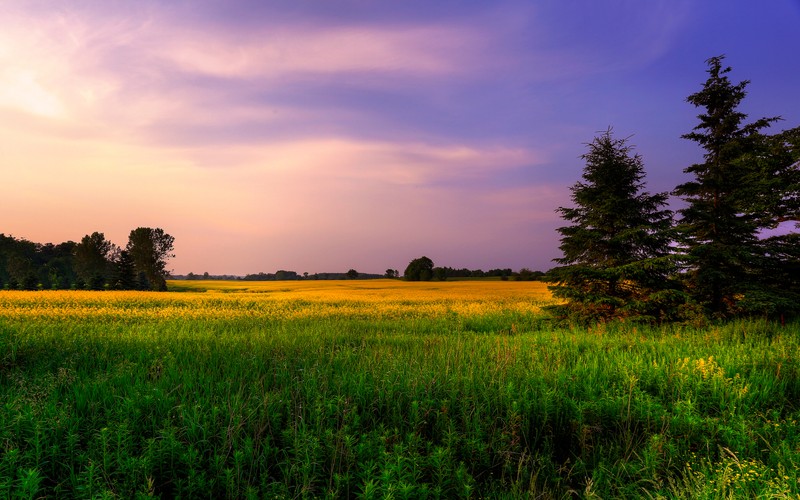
92,262
420,269
150,249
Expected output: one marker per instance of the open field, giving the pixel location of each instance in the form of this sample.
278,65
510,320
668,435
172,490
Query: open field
381,389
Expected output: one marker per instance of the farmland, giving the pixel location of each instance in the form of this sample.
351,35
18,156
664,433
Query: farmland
384,388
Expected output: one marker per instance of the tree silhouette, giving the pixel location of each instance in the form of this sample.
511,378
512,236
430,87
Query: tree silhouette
150,248
420,269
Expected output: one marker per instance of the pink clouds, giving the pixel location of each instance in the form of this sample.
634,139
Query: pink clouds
322,137
290,53
106,94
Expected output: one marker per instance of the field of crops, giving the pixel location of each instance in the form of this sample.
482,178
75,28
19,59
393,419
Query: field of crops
384,389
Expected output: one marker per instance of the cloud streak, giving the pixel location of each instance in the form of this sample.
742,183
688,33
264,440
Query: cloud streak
320,137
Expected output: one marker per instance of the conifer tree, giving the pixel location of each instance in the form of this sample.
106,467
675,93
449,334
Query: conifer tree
125,277
743,186
773,198
616,259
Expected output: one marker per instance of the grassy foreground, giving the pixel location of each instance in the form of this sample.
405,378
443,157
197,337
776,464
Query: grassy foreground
384,389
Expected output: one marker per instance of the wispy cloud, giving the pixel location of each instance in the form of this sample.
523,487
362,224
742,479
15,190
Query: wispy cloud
294,53
378,128
147,74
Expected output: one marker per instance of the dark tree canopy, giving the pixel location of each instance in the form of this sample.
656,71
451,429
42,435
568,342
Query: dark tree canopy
93,260
616,251
125,272
420,269
93,263
57,270
18,258
150,248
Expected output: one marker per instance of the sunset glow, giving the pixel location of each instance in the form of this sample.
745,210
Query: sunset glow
319,137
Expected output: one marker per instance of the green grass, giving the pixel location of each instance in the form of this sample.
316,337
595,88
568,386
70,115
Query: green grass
438,407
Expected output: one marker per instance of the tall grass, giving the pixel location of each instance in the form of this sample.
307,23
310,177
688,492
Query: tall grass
385,389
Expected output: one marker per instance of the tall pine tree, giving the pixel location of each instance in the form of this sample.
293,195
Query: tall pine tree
616,261
743,186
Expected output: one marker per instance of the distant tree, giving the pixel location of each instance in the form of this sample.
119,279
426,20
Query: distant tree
54,264
615,261
261,276
125,273
7,248
526,274
440,273
30,282
420,269
20,258
92,260
392,273
747,182
150,248
501,273
143,283
352,274
22,272
286,275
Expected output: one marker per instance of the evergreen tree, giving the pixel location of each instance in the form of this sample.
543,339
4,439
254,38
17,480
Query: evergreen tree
773,199
125,276
742,187
616,259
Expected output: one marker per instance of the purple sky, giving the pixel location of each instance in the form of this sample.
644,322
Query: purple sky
319,136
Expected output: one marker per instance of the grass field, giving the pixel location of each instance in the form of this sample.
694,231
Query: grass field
384,389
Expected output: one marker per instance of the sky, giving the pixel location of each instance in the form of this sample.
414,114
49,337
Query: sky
320,136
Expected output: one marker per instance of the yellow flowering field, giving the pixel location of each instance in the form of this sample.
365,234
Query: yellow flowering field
367,299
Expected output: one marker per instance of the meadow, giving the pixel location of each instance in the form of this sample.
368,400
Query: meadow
385,389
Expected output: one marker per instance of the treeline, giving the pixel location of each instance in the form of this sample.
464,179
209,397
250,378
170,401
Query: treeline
279,275
434,273
524,274
94,263
422,269
727,253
